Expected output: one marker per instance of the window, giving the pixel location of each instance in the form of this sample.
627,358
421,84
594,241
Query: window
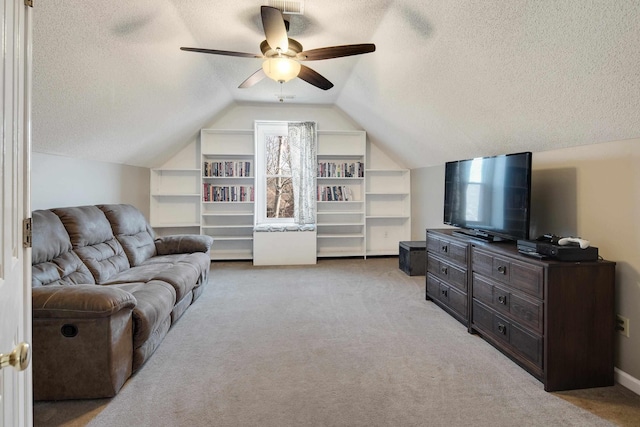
280,203
285,172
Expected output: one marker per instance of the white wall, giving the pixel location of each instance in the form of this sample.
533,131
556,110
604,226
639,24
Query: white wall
242,116
592,191
58,181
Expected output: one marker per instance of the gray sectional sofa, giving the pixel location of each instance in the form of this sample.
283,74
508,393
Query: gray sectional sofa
105,293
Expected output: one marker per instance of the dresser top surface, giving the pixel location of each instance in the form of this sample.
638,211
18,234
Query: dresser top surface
510,248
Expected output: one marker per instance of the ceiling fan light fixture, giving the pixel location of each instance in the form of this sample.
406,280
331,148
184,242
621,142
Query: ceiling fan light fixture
281,69
282,53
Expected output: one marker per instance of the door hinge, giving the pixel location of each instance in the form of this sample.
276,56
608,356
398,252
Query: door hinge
26,233
28,3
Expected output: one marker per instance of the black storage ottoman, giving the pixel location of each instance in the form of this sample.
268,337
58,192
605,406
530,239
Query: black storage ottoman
413,257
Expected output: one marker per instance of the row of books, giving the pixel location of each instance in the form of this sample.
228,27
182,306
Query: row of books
227,193
340,170
227,169
335,193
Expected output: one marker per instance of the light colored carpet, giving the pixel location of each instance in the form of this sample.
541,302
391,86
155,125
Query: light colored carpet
348,342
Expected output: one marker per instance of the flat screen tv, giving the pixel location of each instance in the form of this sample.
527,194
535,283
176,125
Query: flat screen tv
489,197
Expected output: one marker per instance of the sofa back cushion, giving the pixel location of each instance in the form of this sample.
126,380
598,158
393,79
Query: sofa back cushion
53,261
132,231
93,240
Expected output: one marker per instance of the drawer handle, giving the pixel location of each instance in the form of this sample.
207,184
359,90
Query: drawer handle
445,248
444,292
502,328
502,299
444,270
502,269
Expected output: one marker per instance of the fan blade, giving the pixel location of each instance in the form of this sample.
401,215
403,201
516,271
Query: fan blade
314,78
221,52
336,51
274,29
253,79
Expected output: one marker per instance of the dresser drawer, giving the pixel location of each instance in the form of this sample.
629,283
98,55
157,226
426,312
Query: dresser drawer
452,298
509,333
526,277
448,249
525,310
450,273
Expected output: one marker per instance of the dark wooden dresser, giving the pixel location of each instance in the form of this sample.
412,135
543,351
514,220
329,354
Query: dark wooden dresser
448,273
555,319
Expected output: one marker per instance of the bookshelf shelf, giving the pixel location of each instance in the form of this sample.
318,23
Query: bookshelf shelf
175,195
341,236
231,214
338,178
169,170
387,193
388,217
176,225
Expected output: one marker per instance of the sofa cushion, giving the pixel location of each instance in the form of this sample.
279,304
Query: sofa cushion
132,231
141,273
183,277
53,261
50,239
67,269
199,259
155,300
93,240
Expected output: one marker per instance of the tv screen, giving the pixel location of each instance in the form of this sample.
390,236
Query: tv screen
489,197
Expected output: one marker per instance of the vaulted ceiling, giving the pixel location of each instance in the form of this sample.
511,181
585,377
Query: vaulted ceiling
450,79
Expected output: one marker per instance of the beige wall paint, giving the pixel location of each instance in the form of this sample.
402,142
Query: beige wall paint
427,197
58,181
592,191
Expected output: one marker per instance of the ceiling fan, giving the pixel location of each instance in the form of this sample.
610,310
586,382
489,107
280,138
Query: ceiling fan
283,55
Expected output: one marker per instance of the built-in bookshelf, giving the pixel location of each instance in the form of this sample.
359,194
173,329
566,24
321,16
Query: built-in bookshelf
175,194
227,193
388,204
341,195
208,188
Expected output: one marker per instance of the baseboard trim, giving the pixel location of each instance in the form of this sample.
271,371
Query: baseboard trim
627,380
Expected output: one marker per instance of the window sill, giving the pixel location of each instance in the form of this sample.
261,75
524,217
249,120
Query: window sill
283,227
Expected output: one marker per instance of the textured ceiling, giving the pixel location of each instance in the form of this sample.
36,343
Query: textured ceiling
450,79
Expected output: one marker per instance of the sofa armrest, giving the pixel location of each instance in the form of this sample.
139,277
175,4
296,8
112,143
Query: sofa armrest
80,301
183,244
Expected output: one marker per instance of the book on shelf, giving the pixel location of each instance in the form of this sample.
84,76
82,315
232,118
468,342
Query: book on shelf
335,193
340,170
227,193
226,169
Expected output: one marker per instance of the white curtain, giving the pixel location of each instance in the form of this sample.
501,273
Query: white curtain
303,142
